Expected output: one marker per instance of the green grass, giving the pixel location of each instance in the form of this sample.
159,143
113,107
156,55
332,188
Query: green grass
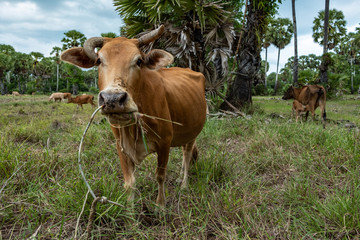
264,178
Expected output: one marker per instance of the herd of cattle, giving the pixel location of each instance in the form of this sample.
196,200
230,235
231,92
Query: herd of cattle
59,96
79,100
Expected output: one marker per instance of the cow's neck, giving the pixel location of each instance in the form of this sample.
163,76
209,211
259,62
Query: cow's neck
132,144
297,93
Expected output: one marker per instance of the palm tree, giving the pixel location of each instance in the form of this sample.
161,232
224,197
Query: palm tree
296,62
73,38
281,30
6,64
23,68
328,29
266,44
57,51
199,33
248,59
109,35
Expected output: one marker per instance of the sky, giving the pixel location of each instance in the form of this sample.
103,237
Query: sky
39,25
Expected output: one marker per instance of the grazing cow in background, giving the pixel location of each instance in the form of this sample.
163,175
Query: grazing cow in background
312,96
298,108
15,93
67,95
56,96
135,86
82,99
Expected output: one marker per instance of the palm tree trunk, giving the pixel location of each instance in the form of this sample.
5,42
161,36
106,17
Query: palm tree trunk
2,86
57,77
324,67
265,68
249,59
277,73
296,61
352,75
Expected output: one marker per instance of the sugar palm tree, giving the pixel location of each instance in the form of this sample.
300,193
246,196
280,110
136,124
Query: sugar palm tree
296,61
6,64
56,51
109,35
23,68
334,24
199,34
266,44
281,30
73,38
248,59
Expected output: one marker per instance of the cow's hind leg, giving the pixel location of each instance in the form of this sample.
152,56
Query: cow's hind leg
306,115
190,152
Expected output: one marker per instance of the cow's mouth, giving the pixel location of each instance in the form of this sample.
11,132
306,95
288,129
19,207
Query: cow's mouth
122,119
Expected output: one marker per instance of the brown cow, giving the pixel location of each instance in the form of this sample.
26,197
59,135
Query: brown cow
67,95
82,99
133,83
311,95
298,109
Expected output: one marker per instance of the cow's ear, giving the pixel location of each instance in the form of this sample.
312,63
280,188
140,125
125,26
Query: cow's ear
156,59
77,56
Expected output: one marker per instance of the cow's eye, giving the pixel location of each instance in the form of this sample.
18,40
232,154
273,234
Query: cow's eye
98,61
139,62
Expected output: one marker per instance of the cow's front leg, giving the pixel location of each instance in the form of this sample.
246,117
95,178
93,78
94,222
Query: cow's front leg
163,157
187,155
128,169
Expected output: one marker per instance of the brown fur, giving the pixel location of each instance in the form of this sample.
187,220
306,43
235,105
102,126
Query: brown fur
15,93
67,95
312,96
82,99
298,109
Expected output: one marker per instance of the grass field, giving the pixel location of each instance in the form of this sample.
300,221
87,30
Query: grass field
263,178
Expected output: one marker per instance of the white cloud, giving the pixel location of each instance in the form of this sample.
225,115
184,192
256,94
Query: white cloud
19,11
28,44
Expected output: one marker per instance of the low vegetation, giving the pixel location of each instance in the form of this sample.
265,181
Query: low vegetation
261,178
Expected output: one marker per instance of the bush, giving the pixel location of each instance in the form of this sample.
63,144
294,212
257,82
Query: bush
259,90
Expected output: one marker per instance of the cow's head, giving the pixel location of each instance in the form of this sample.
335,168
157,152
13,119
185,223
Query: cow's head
120,64
289,93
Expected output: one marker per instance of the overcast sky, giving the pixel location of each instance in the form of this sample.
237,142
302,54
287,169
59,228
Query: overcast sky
39,25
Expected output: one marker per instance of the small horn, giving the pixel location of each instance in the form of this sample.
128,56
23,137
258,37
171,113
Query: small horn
151,36
91,44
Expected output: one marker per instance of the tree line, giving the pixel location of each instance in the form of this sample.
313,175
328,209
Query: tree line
33,72
221,39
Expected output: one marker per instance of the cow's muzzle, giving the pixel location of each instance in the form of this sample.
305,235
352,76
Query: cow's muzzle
113,102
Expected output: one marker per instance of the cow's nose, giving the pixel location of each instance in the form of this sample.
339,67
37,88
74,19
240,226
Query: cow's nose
112,101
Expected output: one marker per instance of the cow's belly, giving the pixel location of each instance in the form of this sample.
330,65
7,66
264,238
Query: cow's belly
193,121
